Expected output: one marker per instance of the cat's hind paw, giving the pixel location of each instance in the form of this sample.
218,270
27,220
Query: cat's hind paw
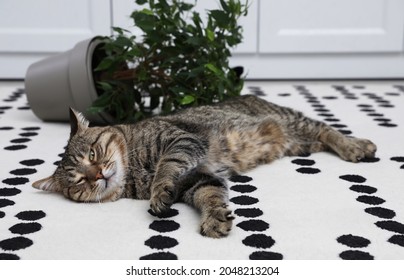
217,222
357,149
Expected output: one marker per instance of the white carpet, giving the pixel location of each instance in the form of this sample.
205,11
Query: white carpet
316,207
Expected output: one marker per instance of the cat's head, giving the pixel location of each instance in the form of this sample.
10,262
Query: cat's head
94,165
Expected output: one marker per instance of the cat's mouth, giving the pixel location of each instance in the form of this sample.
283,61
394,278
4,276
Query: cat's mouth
108,180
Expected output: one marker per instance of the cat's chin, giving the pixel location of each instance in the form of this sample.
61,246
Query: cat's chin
111,189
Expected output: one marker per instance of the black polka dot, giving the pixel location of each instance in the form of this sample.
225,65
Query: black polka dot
330,97
321,110
338,125
392,93
397,239
167,214
6,256
375,115
20,140
370,160
244,200
5,107
160,256
15,181
15,243
25,228
253,225
6,128
23,171
248,212
381,212
363,189
240,179
332,120
161,242
391,226
284,94
387,124
31,215
382,120
304,162
355,255
32,162
31,128
259,241
308,170
364,105
28,134
369,199
243,188
15,147
24,108
353,178
398,159
263,255
345,131
9,191
6,202
164,226
326,115
353,241
2,214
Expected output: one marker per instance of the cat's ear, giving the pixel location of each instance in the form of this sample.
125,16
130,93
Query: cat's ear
48,184
77,122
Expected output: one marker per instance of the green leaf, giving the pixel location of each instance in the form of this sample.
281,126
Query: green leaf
210,34
104,64
144,21
105,86
187,99
213,68
120,30
141,2
147,12
220,16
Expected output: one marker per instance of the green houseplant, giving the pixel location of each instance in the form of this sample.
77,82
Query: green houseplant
178,62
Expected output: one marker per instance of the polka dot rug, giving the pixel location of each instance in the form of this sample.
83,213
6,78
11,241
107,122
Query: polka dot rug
310,207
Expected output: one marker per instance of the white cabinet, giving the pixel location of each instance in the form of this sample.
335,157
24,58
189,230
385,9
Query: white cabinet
327,39
283,39
31,30
331,26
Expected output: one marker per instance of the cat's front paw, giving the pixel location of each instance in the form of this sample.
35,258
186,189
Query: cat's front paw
162,199
217,222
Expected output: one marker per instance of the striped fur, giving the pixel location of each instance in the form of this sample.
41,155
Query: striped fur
185,156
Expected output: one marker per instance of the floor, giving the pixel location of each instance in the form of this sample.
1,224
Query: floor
314,207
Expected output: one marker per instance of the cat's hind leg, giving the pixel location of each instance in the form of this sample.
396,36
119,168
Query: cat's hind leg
348,148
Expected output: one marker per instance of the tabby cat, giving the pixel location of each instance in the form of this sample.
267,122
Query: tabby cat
186,156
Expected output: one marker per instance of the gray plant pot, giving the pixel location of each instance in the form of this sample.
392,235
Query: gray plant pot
64,80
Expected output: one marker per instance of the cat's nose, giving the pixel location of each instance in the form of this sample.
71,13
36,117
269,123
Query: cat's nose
99,175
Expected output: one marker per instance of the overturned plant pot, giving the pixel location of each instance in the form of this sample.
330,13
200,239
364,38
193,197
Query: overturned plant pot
64,80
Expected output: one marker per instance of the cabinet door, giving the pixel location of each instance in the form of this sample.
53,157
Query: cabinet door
328,39
331,26
31,30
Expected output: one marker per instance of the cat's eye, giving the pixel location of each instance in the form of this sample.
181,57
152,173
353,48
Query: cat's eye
91,156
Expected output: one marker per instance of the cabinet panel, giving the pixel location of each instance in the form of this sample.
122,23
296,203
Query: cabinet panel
331,26
31,30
